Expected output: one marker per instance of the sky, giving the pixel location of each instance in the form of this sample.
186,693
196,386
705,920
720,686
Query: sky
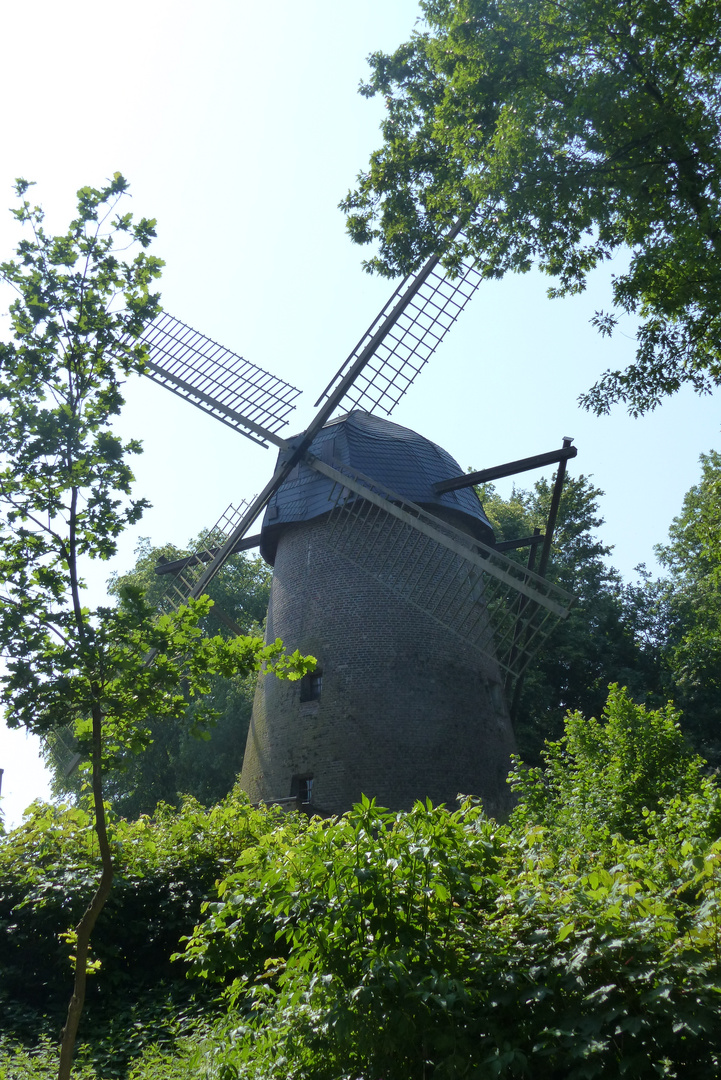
240,127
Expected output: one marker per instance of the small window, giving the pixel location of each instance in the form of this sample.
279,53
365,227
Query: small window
305,790
301,788
311,686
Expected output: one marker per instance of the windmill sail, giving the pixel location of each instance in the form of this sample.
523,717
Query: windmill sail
183,585
460,582
374,377
406,333
218,381
60,749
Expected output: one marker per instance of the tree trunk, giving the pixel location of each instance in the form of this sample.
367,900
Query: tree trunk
85,927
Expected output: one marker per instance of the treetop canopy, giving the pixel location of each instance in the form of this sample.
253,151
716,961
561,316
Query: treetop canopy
563,132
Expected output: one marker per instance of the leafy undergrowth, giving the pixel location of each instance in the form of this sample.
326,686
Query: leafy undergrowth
581,939
165,869
40,1062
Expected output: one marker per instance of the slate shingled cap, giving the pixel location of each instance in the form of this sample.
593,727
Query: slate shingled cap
398,458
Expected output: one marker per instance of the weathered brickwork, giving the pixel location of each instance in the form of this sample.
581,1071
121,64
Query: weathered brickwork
407,709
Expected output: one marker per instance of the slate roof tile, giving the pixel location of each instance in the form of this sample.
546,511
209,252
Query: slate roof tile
395,456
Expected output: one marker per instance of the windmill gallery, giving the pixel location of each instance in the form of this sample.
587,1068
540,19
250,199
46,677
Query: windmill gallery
385,569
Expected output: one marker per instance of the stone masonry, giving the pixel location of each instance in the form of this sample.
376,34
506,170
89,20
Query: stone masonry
408,710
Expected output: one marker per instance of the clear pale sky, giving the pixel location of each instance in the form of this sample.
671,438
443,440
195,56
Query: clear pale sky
239,127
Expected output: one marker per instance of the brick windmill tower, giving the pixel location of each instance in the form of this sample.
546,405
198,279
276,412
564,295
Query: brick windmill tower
385,569
400,706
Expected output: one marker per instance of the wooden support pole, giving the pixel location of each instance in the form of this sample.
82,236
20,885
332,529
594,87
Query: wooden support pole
545,553
509,469
174,567
553,510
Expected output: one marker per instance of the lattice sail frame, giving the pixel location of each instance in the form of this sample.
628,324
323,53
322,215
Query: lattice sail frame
500,606
376,375
495,604
218,381
428,303
180,587
62,746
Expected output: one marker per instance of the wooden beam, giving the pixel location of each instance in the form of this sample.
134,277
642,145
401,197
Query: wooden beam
525,541
177,565
553,512
484,476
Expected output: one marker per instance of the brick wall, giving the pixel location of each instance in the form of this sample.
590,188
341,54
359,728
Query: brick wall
407,709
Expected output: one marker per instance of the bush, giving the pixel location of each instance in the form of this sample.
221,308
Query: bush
602,775
565,944
580,940
165,868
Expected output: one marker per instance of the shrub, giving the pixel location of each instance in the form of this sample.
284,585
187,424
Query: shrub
602,775
166,867
580,940
573,942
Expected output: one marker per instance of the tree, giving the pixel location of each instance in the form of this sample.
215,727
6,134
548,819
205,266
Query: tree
692,639
600,641
165,871
563,133
65,492
177,762
603,773
240,591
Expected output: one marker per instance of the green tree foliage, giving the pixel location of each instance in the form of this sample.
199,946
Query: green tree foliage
82,300
240,591
184,757
438,943
600,642
165,868
690,632
676,617
565,133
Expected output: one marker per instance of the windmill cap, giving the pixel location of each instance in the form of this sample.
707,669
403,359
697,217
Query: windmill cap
396,457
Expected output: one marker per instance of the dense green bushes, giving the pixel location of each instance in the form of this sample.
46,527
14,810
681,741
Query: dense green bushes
604,775
580,939
165,869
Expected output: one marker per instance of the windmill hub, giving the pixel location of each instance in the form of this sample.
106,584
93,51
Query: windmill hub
396,457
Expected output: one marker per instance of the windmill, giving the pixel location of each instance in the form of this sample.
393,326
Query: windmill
385,568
